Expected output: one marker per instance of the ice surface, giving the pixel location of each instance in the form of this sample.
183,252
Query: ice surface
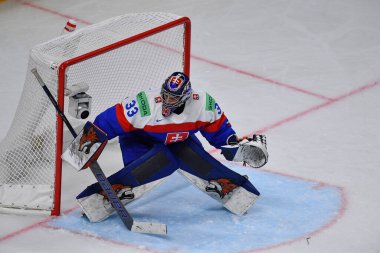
290,208
306,73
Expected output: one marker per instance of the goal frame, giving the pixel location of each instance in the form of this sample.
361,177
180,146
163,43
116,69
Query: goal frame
185,21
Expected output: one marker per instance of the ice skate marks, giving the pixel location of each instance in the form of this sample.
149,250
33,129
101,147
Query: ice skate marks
288,209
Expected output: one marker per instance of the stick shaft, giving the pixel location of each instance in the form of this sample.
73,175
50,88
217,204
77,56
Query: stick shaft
95,167
54,102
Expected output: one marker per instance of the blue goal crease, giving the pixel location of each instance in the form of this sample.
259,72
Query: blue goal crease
289,208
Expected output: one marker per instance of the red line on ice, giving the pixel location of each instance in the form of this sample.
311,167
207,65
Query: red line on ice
223,66
335,219
265,79
309,110
317,107
33,226
35,6
101,238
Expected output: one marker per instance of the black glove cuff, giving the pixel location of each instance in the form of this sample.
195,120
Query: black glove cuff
232,140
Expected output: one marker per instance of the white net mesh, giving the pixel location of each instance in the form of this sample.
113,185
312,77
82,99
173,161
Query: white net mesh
28,152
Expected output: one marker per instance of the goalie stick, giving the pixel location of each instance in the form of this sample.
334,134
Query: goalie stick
130,223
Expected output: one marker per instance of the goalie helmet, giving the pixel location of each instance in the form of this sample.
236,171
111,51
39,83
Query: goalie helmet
175,91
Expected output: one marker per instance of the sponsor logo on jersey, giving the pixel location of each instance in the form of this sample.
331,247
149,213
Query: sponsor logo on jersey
195,96
175,82
222,186
176,137
143,104
210,103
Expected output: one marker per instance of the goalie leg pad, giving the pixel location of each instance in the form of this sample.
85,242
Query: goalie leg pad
213,178
97,208
129,183
154,165
234,198
240,201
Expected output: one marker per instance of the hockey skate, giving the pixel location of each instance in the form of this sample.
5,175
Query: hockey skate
233,197
97,207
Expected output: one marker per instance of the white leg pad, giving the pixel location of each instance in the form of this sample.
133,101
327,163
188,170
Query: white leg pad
237,202
97,208
199,183
240,201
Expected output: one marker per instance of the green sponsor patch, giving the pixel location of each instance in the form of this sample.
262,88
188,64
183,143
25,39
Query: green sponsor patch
143,104
210,103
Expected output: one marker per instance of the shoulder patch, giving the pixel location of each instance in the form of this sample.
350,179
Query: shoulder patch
210,103
158,99
143,104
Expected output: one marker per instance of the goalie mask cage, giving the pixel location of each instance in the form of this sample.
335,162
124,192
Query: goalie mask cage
117,57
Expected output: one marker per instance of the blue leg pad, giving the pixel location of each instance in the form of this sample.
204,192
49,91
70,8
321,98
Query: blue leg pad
196,161
157,163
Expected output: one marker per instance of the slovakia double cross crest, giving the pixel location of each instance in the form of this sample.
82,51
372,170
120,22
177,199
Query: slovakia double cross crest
176,137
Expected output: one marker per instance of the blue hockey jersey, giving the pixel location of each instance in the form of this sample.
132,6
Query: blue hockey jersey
138,122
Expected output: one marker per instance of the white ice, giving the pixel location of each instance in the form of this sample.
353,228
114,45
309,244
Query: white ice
306,73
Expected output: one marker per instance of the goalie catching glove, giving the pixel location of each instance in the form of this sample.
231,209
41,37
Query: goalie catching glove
252,151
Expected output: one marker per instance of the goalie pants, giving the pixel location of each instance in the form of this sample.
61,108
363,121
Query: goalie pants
162,160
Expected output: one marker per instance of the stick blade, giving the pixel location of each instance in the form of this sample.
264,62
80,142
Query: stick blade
149,228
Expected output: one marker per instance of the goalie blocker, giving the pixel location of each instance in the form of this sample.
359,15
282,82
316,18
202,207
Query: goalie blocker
86,148
232,190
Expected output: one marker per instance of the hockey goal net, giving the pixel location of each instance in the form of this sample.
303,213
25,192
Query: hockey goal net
116,57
